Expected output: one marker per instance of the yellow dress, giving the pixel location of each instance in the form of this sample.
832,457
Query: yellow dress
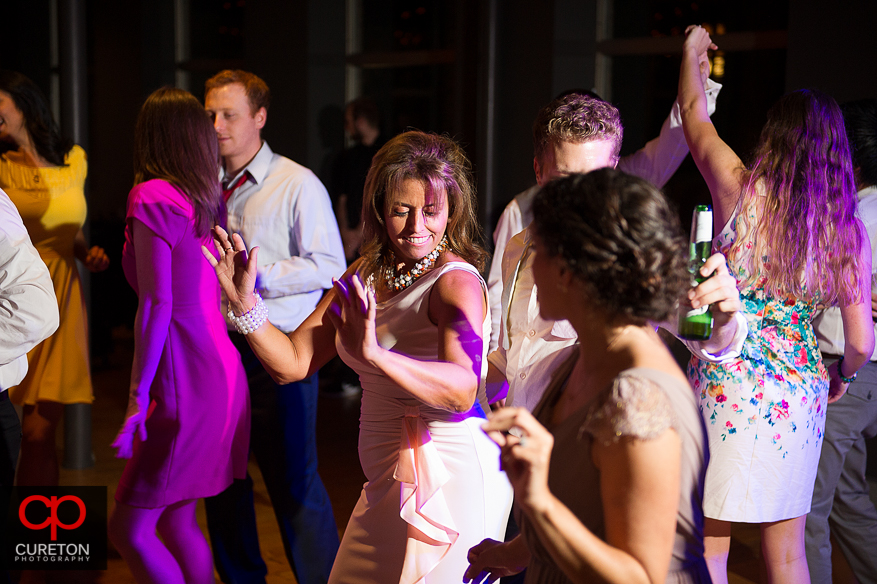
51,202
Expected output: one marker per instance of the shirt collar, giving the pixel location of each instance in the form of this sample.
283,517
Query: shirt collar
258,166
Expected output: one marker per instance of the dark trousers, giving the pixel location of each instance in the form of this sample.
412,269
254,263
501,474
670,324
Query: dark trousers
283,440
841,505
10,442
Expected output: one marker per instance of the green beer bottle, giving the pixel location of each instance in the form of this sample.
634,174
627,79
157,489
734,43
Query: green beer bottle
696,324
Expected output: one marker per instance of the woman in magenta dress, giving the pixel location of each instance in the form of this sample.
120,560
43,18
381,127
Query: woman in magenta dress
187,426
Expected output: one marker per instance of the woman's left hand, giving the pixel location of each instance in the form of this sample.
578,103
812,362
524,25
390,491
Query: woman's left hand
836,386
134,424
96,260
353,315
525,460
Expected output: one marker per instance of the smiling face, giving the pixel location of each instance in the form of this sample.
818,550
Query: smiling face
237,127
416,220
12,123
564,158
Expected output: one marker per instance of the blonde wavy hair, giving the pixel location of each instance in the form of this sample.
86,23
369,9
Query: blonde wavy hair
804,240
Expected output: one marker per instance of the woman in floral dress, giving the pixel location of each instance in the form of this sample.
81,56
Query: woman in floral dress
793,242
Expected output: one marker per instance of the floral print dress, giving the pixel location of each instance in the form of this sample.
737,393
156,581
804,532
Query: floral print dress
764,411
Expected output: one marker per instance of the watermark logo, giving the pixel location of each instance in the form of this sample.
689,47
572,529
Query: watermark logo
52,505
54,528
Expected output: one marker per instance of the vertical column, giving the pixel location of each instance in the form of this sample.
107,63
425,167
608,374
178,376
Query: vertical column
74,123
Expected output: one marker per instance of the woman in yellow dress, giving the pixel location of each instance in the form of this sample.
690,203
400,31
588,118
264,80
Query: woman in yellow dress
44,175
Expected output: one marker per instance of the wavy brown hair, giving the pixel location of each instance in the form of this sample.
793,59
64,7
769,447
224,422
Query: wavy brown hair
804,242
174,140
618,235
440,165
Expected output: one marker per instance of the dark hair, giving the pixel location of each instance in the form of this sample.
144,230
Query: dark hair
365,108
174,140
807,228
440,165
577,118
38,120
618,234
257,90
860,118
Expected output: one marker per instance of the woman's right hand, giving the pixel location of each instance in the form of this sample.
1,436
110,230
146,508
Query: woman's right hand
235,269
698,40
525,459
491,560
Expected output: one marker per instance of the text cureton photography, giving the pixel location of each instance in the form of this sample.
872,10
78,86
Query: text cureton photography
54,528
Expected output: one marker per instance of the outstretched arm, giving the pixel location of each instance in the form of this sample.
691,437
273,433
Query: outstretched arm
287,358
720,166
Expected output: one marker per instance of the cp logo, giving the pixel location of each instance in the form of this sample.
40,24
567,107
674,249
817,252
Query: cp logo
52,506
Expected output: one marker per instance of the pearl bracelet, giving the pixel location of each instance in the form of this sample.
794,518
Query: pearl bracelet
251,319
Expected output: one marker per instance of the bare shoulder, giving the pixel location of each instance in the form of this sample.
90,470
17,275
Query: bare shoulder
461,289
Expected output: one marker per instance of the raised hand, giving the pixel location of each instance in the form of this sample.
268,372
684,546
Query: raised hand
698,39
353,315
525,460
235,269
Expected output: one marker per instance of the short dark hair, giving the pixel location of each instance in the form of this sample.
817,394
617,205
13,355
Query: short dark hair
257,90
365,108
620,236
860,118
38,120
174,140
577,118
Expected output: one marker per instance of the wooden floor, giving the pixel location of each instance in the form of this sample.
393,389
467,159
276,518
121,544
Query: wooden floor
337,429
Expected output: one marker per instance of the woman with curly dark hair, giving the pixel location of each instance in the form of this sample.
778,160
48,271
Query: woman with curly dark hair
410,317
620,499
788,225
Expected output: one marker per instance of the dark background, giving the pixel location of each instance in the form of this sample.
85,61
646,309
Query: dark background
478,70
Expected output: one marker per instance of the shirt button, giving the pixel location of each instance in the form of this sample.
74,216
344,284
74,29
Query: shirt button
523,376
532,333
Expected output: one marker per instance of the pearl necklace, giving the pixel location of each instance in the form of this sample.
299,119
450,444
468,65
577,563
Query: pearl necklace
402,281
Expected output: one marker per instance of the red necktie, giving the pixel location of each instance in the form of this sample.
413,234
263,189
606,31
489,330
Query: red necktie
227,191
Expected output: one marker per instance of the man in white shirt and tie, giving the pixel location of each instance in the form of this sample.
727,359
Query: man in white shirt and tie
283,208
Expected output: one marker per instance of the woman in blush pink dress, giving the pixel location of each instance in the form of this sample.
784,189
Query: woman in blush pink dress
410,317
187,425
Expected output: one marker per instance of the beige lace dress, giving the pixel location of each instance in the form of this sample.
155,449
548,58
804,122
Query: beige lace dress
640,403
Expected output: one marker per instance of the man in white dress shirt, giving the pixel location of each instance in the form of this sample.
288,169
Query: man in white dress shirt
656,162
283,208
28,315
574,133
